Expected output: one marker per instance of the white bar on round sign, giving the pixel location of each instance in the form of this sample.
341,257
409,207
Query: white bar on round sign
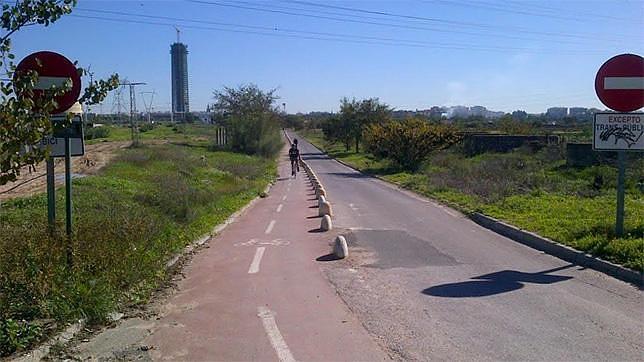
624,83
44,83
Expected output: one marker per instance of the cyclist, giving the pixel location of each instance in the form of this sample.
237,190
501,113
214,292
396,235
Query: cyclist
294,156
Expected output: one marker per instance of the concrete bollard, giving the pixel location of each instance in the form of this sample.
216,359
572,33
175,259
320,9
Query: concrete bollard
321,199
319,191
325,209
340,248
326,224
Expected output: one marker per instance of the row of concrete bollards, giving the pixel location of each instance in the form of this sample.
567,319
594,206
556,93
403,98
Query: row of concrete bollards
340,248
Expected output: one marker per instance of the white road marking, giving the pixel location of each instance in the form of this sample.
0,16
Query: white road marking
44,83
636,83
284,198
274,335
254,266
279,207
254,242
270,227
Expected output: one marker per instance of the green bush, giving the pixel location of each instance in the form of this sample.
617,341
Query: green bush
146,127
17,336
96,132
408,142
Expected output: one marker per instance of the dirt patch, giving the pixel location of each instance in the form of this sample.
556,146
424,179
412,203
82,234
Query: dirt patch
30,183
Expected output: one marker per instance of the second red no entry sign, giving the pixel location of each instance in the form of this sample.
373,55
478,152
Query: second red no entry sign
619,83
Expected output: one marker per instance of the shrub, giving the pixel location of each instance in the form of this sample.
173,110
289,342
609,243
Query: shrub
146,127
96,132
408,142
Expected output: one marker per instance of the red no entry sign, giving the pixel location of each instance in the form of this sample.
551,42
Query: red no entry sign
619,83
53,69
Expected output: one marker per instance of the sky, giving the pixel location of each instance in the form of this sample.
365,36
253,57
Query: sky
504,55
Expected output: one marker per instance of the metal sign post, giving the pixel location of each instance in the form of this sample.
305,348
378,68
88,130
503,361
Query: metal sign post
619,220
68,199
51,195
68,186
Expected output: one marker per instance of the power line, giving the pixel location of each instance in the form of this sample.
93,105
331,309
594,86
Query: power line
504,8
391,25
288,30
442,21
577,11
345,38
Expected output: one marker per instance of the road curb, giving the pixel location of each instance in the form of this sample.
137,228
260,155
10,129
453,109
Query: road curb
63,337
559,250
531,239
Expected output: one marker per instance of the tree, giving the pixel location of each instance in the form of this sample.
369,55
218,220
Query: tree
250,117
511,126
24,121
408,142
338,129
356,115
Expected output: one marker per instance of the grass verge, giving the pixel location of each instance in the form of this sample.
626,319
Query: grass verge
128,221
534,191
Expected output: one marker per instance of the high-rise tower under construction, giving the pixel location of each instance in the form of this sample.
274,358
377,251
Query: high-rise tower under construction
180,102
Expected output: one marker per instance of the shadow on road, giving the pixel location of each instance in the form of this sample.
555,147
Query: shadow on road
327,257
314,217
314,156
349,174
316,230
495,283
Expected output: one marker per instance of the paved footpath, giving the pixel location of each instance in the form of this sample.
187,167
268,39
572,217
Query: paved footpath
258,294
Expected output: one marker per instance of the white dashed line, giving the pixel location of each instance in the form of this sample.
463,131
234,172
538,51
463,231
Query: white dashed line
279,207
274,335
284,198
254,266
270,227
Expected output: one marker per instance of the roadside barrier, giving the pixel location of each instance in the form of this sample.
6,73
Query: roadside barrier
326,224
325,209
340,247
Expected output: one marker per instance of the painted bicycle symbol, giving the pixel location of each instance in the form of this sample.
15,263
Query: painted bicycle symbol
254,242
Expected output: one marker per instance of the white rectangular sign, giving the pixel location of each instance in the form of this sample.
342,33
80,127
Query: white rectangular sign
57,146
618,132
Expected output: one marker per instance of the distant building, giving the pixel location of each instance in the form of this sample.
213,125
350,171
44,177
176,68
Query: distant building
557,112
458,111
577,112
478,111
436,112
180,100
520,115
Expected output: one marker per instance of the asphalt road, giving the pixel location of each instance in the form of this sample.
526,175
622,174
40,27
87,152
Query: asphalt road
431,284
